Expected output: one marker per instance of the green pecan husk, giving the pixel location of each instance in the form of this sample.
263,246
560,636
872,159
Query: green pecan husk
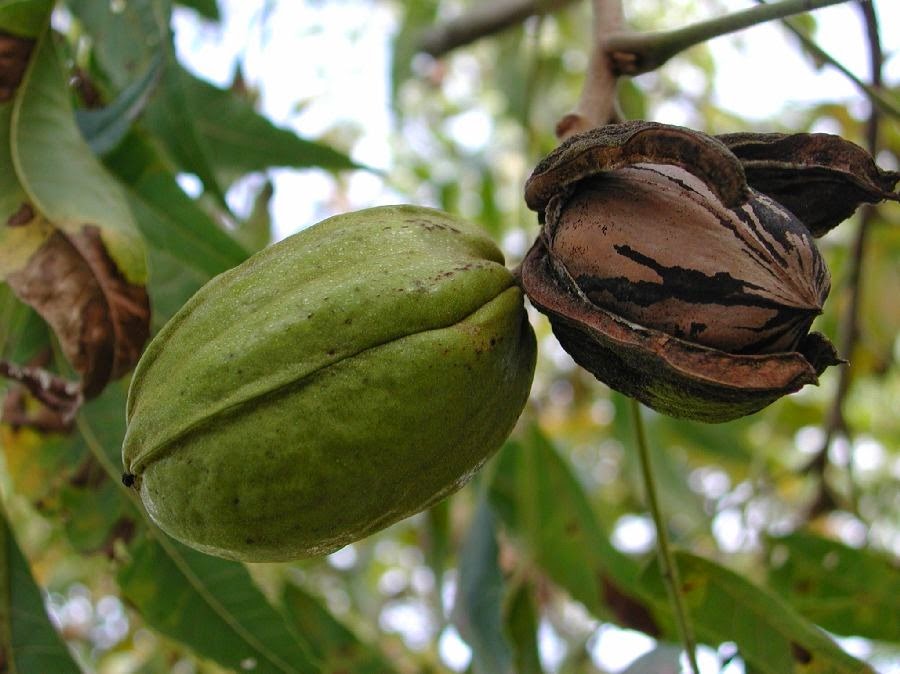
334,383
681,270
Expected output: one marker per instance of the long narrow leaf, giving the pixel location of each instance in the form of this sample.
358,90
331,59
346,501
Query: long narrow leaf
538,497
769,634
105,127
334,645
58,171
28,641
544,503
170,220
843,589
208,604
218,136
477,612
521,621
213,606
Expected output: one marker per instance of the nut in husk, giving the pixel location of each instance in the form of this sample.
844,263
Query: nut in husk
681,269
336,382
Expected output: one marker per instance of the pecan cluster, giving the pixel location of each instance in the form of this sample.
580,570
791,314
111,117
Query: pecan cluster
681,268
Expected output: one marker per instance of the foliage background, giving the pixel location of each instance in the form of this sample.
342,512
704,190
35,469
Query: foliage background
514,572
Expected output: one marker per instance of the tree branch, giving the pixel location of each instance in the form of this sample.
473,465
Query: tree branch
598,105
485,19
875,95
637,53
835,422
61,396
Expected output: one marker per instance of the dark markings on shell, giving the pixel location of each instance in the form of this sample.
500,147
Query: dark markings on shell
786,324
763,235
671,178
689,285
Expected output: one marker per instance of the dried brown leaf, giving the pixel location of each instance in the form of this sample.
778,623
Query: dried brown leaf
101,320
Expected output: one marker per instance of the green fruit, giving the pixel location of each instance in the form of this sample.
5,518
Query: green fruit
334,383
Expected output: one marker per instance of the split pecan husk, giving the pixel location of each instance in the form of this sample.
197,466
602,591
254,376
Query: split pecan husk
681,269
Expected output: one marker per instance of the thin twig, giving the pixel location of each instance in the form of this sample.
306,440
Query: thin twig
484,19
635,53
60,395
873,93
835,421
667,563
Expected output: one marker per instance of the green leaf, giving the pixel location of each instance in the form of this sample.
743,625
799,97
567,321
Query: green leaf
769,634
21,233
94,514
93,505
335,647
38,465
233,138
212,606
173,283
58,171
521,620
542,502
537,496
101,423
105,127
631,99
520,72
209,604
28,641
843,589
721,442
12,196
491,217
255,233
25,18
125,41
171,221
172,118
685,507
479,595
208,9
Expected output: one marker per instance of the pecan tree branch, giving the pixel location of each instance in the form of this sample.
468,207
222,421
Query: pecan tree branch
485,19
638,53
598,104
874,93
835,421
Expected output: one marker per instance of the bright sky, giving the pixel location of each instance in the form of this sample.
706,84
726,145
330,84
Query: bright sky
326,63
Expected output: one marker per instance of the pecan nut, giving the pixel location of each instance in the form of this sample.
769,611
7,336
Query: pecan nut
681,269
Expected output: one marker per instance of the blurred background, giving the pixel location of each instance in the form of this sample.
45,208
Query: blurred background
461,131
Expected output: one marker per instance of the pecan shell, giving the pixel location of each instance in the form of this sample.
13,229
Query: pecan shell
681,269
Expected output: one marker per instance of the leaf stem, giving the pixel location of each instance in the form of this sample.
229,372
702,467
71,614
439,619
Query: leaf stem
61,396
636,53
666,561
